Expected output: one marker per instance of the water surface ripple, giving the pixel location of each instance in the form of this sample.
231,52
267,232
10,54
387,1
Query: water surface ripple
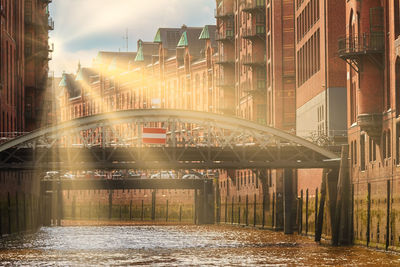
179,246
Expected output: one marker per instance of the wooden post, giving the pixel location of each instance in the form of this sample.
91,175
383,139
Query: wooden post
59,204
130,210
316,210
300,230
180,213
318,229
226,209
166,212
247,210
110,193
388,215
306,211
263,210
142,212
17,211
232,204
98,212
255,210
9,212
153,205
90,209
73,207
195,207
239,210
24,211
273,210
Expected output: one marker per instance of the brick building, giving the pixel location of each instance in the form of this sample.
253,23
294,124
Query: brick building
371,51
24,56
179,62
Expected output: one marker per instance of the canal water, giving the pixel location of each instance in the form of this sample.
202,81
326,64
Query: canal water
179,246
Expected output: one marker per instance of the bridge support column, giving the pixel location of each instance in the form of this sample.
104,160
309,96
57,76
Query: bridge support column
288,201
206,202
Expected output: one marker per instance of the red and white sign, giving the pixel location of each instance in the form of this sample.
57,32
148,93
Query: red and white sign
154,135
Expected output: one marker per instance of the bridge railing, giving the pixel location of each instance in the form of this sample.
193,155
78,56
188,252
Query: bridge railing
7,136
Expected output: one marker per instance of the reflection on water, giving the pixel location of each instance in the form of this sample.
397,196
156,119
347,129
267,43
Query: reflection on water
178,246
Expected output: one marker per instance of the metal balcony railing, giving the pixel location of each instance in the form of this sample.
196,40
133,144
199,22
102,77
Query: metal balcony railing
255,31
50,23
222,13
225,60
361,44
254,5
226,35
253,61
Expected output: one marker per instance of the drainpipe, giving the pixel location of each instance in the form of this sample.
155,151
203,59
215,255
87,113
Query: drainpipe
326,68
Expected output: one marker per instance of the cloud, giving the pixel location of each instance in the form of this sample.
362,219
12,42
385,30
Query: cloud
83,27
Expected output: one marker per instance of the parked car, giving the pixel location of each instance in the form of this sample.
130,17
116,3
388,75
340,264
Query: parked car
163,175
117,176
51,175
68,176
191,176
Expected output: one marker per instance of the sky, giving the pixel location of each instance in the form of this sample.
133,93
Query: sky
84,27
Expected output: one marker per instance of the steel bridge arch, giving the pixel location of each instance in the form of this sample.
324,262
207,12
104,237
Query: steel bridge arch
240,130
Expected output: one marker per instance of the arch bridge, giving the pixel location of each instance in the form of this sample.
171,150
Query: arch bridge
194,140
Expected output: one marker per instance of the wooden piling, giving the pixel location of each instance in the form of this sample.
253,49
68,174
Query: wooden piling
142,212
9,212
180,213
226,208
17,211
306,211
273,210
110,193
263,210
300,226
319,224
153,205
24,211
232,217
166,212
316,209
130,210
239,210
255,210
247,210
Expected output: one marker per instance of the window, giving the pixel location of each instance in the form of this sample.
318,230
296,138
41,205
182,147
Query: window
362,152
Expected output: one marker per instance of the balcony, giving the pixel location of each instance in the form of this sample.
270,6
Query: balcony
255,32
253,6
253,61
225,84
222,13
226,35
257,88
50,24
225,60
371,124
353,47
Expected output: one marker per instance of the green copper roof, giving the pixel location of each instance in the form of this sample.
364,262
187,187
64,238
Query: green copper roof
183,41
63,82
205,34
139,54
157,38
